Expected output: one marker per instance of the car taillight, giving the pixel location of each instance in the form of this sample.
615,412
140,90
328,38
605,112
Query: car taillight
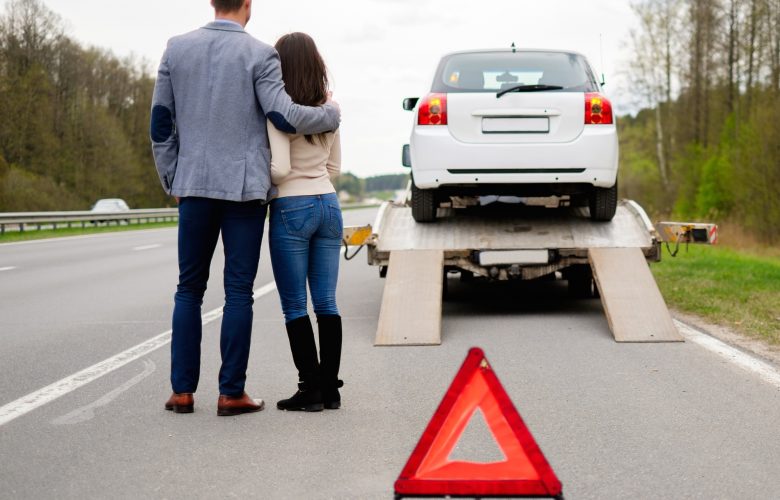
433,110
598,109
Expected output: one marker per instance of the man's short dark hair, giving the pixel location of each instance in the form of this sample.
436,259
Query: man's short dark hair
227,5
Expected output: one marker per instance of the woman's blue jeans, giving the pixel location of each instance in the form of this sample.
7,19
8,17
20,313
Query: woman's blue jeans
305,239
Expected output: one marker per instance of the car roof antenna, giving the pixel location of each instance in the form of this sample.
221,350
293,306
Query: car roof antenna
514,50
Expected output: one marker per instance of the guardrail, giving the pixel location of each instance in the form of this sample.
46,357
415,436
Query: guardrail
38,219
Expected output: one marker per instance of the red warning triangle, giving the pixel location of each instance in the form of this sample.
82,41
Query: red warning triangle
524,470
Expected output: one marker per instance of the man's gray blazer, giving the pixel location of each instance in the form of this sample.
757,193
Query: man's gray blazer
215,88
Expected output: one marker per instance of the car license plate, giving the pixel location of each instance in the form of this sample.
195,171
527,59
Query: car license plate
516,125
506,257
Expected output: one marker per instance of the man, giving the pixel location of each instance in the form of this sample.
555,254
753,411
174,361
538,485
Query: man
215,88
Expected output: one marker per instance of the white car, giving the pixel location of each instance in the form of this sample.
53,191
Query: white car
527,123
110,205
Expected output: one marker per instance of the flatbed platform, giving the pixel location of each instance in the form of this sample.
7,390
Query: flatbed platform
506,242
567,230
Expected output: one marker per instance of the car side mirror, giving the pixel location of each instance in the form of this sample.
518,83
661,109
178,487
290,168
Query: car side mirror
406,156
410,103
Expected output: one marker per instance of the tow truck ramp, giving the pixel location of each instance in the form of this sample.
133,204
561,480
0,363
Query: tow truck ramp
411,303
635,309
518,244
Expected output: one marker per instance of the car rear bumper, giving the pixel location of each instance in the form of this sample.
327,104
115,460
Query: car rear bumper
438,159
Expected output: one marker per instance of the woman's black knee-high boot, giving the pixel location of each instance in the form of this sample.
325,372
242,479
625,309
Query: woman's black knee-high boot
304,353
330,359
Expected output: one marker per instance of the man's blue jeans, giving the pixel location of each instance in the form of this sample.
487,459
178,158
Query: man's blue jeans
305,241
201,220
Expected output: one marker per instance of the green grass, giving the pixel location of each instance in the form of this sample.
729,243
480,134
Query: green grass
32,234
731,288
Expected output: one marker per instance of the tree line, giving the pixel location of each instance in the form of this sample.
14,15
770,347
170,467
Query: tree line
706,143
358,187
75,119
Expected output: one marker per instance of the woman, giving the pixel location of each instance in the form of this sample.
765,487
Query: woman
306,230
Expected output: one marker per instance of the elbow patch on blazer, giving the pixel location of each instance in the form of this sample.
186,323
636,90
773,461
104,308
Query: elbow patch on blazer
161,127
281,123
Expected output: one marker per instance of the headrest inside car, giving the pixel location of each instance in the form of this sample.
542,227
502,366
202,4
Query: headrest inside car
471,80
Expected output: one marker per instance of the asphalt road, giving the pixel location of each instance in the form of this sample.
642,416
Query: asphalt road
614,420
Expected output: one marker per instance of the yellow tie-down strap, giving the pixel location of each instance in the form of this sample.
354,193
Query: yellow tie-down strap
687,232
355,236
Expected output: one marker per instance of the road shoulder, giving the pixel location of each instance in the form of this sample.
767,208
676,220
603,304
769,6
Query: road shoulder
754,346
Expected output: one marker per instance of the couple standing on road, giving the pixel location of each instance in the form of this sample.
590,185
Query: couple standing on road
237,125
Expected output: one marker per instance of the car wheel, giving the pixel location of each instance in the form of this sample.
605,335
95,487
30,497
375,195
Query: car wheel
603,203
423,204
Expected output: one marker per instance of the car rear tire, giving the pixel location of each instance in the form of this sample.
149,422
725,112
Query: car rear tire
603,203
423,204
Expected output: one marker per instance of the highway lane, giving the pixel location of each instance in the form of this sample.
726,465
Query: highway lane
76,301
615,420
79,300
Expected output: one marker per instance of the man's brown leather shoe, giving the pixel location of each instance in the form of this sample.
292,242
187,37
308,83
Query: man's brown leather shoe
181,403
236,405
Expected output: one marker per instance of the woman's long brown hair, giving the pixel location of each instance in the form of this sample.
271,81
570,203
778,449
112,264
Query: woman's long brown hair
304,72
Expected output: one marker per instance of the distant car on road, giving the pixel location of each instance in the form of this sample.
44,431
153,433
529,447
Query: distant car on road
109,205
527,123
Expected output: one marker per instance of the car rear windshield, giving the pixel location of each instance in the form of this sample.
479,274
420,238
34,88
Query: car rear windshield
495,71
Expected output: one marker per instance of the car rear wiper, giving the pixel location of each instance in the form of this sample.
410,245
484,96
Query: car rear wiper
527,88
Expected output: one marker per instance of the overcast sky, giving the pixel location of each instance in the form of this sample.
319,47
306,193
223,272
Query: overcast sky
378,51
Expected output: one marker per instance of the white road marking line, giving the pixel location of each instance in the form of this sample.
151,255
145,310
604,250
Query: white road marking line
147,247
9,268
30,402
762,369
264,290
88,412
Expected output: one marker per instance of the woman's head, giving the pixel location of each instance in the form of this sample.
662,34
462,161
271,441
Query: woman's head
303,70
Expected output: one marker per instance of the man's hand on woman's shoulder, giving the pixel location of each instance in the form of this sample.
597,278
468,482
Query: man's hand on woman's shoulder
332,102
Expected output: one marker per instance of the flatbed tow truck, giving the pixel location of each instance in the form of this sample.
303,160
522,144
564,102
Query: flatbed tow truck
503,242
